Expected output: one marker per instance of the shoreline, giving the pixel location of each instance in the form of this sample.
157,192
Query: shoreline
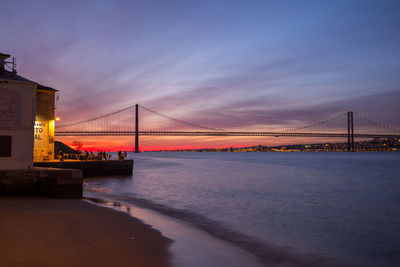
39,231
192,245
68,232
223,248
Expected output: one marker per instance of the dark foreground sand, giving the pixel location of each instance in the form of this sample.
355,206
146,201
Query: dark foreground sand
61,232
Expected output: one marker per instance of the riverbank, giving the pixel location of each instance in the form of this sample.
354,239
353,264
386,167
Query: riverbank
192,246
64,232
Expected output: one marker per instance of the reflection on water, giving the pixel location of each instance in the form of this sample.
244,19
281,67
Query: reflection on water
100,189
113,204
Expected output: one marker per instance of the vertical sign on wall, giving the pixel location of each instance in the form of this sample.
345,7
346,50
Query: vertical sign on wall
42,149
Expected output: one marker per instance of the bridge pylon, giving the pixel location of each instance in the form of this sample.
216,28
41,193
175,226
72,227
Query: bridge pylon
350,131
137,128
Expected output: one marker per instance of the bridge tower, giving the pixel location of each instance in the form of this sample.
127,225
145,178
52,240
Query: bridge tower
350,131
137,128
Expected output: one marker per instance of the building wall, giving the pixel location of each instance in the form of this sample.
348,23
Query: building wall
44,126
17,113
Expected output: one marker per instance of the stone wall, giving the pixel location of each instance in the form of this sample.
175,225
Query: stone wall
48,182
92,168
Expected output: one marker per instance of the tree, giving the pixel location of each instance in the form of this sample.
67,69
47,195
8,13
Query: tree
78,145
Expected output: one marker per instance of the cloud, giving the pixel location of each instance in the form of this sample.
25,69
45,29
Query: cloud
207,63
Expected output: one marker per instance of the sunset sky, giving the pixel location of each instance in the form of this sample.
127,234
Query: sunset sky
224,64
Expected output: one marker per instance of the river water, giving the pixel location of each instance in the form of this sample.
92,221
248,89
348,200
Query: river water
333,209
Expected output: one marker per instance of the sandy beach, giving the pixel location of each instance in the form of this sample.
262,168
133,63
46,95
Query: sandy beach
63,232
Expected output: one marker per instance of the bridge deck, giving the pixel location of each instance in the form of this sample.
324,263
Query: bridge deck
216,133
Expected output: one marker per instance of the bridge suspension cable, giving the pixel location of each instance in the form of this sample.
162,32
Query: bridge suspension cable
96,118
181,121
317,123
376,123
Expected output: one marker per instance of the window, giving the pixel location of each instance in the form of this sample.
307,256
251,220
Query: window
5,146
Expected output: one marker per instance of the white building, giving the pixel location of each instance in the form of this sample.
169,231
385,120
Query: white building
18,100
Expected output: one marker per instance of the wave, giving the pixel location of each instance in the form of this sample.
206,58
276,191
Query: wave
268,254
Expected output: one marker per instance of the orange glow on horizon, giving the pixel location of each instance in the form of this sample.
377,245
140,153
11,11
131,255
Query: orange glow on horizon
156,143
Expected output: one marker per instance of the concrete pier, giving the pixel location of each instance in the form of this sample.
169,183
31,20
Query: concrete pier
93,168
48,182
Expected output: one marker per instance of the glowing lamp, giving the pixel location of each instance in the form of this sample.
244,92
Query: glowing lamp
58,118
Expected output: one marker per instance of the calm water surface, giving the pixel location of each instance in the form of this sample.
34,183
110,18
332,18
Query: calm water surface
341,207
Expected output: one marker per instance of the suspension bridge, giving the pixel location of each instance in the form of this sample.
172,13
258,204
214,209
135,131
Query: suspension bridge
125,122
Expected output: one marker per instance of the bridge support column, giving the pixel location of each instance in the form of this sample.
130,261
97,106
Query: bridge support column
137,128
350,131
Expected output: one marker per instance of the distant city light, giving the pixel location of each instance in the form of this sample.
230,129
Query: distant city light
58,118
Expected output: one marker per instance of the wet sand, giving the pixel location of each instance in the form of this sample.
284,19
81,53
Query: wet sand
62,232
192,246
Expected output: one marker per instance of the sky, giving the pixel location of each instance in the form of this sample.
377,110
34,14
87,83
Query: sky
223,64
